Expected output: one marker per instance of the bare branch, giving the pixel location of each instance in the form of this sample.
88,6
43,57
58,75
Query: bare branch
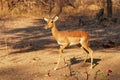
44,3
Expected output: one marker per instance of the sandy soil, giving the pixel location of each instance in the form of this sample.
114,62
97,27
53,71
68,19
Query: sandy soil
28,52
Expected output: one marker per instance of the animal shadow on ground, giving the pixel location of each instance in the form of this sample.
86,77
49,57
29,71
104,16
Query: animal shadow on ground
74,60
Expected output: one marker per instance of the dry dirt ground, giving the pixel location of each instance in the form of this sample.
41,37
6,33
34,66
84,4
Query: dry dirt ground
29,52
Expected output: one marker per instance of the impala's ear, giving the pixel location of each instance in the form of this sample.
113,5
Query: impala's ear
55,19
45,19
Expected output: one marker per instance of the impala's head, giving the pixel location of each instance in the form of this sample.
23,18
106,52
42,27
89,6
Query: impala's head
50,21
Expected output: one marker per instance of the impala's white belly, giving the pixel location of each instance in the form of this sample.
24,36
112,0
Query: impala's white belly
70,44
73,43
71,40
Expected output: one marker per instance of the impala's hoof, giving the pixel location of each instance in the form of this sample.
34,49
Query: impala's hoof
66,64
91,67
55,68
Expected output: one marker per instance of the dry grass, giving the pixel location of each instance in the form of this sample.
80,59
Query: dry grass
32,8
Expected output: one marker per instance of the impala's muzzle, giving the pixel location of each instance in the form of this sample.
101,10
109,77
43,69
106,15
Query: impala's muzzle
45,27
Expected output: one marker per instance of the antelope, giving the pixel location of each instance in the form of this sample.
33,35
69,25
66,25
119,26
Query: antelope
68,38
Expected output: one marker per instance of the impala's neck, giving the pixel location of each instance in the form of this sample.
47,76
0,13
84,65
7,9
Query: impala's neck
54,31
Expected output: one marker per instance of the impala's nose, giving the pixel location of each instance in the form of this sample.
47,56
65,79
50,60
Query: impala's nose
45,27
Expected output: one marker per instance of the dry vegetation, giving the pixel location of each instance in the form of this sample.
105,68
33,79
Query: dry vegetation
37,8
29,52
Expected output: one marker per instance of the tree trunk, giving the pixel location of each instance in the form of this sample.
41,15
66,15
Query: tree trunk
109,8
1,1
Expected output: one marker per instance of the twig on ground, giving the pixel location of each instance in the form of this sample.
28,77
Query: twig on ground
95,78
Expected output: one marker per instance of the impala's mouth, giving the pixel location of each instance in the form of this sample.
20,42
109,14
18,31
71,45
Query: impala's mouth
45,28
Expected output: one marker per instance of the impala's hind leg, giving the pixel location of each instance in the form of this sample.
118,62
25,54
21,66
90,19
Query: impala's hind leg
85,46
86,55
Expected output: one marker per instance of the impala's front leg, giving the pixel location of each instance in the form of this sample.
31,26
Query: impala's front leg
86,57
60,54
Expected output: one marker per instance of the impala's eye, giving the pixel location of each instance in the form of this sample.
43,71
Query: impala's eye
51,21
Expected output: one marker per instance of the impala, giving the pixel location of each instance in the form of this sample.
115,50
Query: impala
67,38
